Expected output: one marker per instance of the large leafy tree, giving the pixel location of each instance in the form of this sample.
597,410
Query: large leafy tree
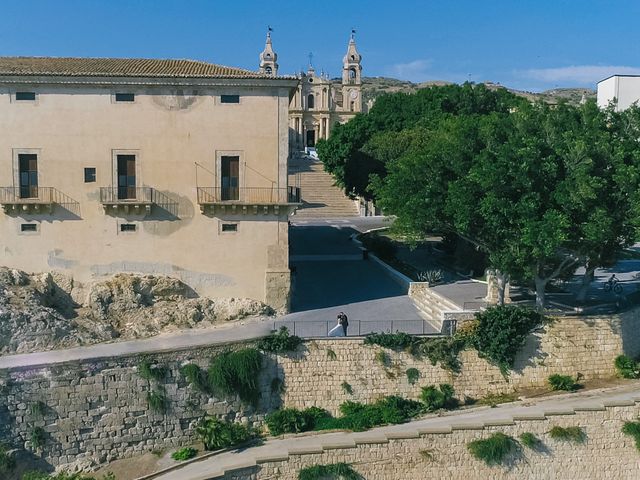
541,189
362,147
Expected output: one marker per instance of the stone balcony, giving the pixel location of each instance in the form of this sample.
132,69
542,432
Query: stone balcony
248,200
127,199
27,199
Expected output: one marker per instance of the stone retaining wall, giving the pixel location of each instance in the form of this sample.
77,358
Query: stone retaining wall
571,345
606,454
97,411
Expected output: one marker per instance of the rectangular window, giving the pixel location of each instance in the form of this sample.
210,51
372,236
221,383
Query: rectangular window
26,96
29,227
126,177
229,227
229,98
125,97
89,175
28,175
127,227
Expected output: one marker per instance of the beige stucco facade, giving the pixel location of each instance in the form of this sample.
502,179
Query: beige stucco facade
320,103
176,131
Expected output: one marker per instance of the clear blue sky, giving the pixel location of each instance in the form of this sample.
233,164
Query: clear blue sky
528,44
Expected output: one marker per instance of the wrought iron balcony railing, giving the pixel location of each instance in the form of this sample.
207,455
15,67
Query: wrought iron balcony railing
32,199
244,197
248,195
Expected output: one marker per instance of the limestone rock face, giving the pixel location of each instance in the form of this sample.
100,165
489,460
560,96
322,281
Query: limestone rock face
48,311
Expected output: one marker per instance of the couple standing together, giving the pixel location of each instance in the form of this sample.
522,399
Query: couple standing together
340,330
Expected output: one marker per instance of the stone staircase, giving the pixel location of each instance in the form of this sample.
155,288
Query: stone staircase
320,197
431,304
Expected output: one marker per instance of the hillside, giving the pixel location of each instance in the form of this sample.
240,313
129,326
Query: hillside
375,86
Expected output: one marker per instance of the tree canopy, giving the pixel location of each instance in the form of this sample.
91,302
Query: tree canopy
541,189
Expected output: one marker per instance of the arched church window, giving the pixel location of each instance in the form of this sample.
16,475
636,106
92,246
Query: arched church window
268,70
353,57
352,73
310,101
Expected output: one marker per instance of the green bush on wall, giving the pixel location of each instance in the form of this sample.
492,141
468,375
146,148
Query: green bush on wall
633,429
150,371
185,453
280,342
216,434
501,332
563,382
236,373
196,377
493,450
337,471
627,367
291,420
568,434
435,399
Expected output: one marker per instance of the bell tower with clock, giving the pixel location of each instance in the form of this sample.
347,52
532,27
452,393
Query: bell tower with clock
352,78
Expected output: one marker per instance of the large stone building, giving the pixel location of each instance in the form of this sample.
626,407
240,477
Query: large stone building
319,103
170,167
623,89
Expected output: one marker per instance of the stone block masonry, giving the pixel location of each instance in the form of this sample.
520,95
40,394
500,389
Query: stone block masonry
606,453
96,411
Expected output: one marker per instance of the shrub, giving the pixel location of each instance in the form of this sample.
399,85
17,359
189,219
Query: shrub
357,416
158,401
383,358
196,377
150,371
494,449
216,434
185,453
7,462
236,373
37,437
627,367
502,331
441,350
529,440
280,342
563,382
568,434
435,399
393,341
413,374
347,388
432,277
291,420
632,429
336,471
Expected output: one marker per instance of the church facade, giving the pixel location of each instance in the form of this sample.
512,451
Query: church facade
319,103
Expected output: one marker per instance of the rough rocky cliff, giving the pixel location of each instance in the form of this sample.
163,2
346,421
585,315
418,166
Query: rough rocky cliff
47,311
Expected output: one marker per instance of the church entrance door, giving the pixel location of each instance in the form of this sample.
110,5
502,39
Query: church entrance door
311,138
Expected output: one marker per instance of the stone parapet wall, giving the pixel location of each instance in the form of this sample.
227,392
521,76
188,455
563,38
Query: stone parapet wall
606,454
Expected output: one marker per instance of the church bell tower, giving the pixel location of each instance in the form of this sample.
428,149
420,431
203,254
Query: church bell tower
352,77
268,58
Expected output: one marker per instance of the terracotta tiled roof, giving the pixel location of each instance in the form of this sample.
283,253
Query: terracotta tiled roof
119,67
